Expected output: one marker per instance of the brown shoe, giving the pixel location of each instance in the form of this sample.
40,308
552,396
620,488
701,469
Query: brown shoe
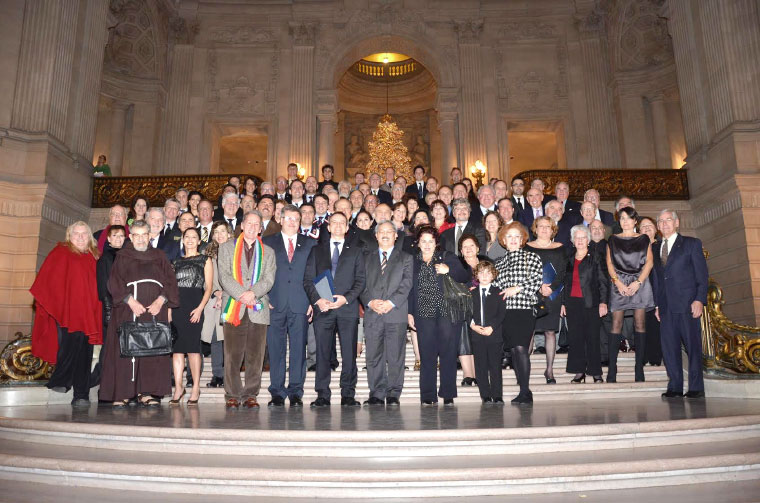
250,403
232,403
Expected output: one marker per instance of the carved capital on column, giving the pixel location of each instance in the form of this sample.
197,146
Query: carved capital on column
326,102
447,101
590,23
303,33
469,31
182,31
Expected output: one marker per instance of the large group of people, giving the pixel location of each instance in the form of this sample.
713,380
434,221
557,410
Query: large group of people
291,275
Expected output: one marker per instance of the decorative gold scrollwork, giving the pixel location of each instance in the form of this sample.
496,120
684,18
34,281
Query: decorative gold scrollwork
643,184
108,191
17,363
728,345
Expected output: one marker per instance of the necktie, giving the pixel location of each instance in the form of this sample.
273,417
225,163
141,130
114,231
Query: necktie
536,214
374,192
457,237
168,229
419,189
335,256
664,252
383,262
154,242
204,234
229,221
482,308
520,203
291,250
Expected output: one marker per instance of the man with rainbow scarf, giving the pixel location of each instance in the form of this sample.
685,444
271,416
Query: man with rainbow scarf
246,274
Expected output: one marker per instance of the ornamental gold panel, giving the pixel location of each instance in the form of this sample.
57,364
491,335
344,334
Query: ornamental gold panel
640,184
17,363
112,190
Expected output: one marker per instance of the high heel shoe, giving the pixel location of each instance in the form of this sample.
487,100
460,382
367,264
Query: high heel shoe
598,379
550,380
578,380
193,402
178,400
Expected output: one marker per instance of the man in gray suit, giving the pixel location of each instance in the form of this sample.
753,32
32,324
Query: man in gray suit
389,279
245,334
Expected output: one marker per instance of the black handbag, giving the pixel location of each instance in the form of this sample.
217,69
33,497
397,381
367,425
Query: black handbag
539,308
145,338
457,300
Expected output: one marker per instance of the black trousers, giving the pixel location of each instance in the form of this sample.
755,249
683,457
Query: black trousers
438,338
74,359
654,348
583,324
325,325
487,352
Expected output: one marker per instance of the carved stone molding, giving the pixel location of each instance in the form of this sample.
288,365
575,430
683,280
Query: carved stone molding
640,184
241,94
591,23
303,33
244,35
469,31
182,31
526,30
108,191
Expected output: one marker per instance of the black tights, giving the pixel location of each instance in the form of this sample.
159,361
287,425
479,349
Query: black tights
521,364
639,342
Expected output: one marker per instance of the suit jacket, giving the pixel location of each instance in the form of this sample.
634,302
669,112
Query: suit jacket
169,243
476,215
287,199
322,184
232,288
272,228
219,214
606,217
457,272
349,277
393,285
595,284
684,278
448,237
384,186
526,217
384,196
517,207
565,224
288,291
572,207
412,189
493,311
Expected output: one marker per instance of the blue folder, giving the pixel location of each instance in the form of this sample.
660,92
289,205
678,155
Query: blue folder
549,274
324,285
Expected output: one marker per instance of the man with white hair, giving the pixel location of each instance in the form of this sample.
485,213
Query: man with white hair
620,203
592,196
562,191
230,209
117,215
486,202
564,223
462,225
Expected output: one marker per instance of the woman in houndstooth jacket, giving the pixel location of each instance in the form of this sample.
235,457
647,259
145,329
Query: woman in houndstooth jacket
520,275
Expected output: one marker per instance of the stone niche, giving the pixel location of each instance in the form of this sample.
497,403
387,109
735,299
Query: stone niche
363,125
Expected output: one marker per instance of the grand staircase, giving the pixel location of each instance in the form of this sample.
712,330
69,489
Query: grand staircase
577,439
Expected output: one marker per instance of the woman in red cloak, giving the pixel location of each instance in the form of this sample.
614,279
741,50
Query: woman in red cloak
68,316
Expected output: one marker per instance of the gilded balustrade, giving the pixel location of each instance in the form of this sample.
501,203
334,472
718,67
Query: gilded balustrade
111,190
19,365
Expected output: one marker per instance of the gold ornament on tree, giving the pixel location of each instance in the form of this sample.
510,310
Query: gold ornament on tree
387,150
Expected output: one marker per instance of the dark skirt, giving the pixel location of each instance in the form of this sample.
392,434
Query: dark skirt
465,343
520,324
550,321
188,334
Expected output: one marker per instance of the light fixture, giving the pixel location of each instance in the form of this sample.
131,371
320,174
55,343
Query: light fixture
385,59
478,170
300,171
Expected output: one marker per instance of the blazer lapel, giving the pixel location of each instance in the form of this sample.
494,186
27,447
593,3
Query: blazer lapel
675,251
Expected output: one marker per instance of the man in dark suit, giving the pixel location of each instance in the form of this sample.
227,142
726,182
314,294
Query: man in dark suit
564,221
385,297
327,174
171,212
450,237
534,209
418,188
288,318
592,195
268,225
680,295
390,180
539,184
519,203
383,196
231,212
486,202
281,189
346,264
562,190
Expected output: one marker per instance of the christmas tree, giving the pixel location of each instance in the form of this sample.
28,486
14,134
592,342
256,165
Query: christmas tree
387,150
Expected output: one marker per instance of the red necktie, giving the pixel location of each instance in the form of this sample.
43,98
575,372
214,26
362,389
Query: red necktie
291,250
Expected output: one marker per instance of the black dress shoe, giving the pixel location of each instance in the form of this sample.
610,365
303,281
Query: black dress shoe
523,399
448,401
430,403
562,350
374,401
215,382
312,368
347,401
468,381
392,400
672,394
541,351
695,394
80,402
498,401
334,367
189,382
320,402
295,402
276,401
488,399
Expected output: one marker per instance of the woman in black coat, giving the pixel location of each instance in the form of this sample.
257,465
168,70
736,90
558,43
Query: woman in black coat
437,333
584,303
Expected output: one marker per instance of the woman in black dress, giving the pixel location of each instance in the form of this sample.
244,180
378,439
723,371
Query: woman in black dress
648,226
554,261
629,262
195,275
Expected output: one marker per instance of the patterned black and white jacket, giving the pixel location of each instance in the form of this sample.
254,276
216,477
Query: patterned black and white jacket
520,268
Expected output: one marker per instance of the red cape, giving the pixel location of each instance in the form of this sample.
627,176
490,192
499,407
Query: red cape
66,292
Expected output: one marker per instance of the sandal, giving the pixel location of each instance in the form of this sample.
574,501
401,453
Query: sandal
149,402
120,404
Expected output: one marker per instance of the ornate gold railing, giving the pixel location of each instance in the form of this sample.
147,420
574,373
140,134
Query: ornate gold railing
643,184
18,364
108,191
725,344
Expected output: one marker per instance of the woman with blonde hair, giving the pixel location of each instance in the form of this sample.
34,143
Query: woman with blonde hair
68,318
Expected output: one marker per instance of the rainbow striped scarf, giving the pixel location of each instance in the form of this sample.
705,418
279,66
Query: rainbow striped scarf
231,312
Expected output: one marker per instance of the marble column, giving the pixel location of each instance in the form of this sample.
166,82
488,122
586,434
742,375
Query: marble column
118,127
447,126
303,123
174,135
602,133
660,132
472,121
327,119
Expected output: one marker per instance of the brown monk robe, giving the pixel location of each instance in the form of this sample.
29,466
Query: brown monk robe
152,374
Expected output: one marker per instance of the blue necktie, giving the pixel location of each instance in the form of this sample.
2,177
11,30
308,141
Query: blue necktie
335,256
